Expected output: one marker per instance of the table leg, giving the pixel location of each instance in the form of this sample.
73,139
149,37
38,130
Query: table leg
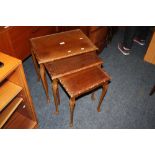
35,64
72,106
56,95
104,90
93,95
44,81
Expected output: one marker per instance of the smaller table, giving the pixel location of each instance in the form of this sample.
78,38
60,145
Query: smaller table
68,66
59,46
83,82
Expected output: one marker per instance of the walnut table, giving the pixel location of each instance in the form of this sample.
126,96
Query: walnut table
60,48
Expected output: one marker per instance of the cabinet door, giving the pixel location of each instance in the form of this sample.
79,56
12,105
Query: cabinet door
98,35
19,36
5,43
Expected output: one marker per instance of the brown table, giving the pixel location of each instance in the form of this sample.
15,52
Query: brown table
62,53
82,82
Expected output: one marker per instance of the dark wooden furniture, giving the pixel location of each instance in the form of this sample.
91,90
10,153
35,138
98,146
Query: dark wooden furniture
69,57
14,40
84,81
97,34
57,47
73,64
16,106
67,66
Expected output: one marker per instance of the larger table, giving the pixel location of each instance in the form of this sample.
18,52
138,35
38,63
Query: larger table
62,53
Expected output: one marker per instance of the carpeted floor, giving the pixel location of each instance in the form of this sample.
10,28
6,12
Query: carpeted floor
127,104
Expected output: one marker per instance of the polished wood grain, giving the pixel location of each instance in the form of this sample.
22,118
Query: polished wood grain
15,39
61,45
97,34
8,91
82,82
67,66
73,64
56,49
6,113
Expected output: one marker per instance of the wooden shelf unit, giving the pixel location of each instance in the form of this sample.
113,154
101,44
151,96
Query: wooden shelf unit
8,91
19,121
5,115
16,106
15,39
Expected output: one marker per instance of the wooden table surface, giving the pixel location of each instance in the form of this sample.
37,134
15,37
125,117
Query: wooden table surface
60,68
61,45
56,47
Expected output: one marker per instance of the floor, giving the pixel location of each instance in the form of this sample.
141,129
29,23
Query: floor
127,104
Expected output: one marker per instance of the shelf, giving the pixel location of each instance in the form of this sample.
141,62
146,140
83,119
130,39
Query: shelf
15,111
8,91
10,64
19,121
5,115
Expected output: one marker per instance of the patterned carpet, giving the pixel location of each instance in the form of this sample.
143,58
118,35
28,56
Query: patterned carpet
127,104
